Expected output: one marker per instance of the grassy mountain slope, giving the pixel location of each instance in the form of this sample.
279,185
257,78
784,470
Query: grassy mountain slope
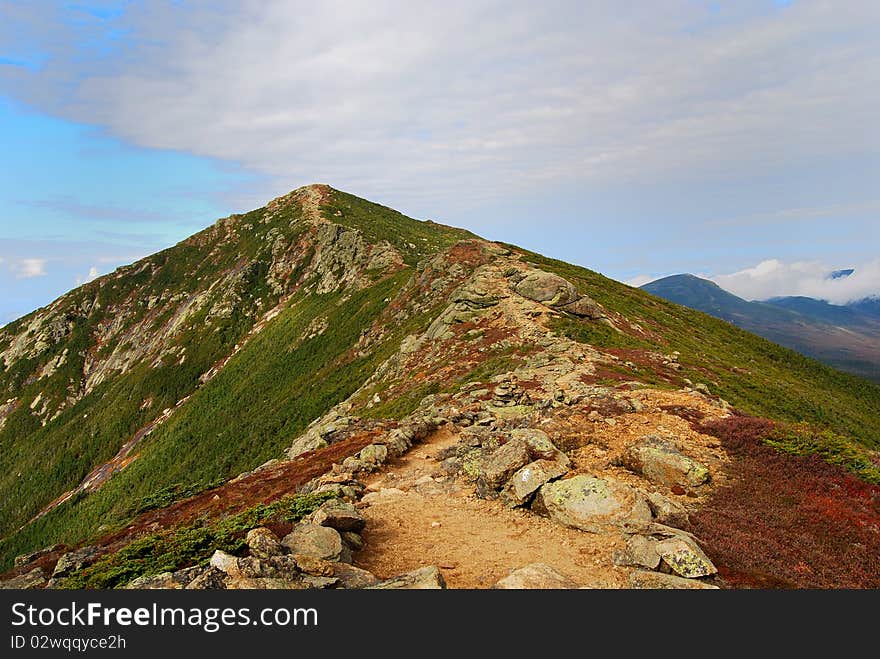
229,344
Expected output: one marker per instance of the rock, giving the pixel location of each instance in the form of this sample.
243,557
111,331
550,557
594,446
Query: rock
702,388
354,540
657,460
591,504
546,288
161,581
350,576
528,479
306,443
584,307
657,580
339,515
74,560
27,581
426,578
666,511
224,562
263,583
684,557
210,579
314,540
373,455
536,576
319,582
24,559
640,551
263,543
539,445
499,466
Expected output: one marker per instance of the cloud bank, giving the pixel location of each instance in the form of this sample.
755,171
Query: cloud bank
465,100
774,278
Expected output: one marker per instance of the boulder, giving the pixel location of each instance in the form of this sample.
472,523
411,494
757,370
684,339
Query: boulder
591,504
306,443
584,307
263,583
27,581
536,576
161,581
640,551
210,579
658,580
528,479
339,515
353,540
539,445
350,576
314,540
373,455
426,578
74,560
263,543
500,465
659,461
667,511
546,288
684,557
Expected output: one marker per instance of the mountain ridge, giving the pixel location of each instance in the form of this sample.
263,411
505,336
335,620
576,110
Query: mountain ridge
276,336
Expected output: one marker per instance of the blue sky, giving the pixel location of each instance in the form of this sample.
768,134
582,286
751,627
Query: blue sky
737,140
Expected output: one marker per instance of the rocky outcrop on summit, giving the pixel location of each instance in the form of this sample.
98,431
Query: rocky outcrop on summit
554,291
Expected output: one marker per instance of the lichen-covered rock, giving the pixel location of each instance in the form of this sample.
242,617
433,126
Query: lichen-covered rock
658,580
682,554
373,455
263,543
314,540
528,479
210,579
306,443
591,504
339,515
537,576
27,581
161,581
500,465
546,288
539,445
659,461
426,578
584,307
74,560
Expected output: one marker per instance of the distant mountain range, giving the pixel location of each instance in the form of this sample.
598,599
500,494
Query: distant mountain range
844,336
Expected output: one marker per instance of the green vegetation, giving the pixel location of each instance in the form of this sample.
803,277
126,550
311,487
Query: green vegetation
835,449
189,545
168,495
414,239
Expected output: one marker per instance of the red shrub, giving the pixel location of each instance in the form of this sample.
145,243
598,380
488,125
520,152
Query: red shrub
787,521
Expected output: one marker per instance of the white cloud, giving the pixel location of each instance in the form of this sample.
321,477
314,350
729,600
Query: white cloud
93,272
410,101
28,268
775,278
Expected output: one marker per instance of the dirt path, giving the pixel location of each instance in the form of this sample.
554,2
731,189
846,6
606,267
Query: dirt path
417,517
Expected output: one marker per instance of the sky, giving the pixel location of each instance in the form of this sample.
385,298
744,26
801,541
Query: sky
734,140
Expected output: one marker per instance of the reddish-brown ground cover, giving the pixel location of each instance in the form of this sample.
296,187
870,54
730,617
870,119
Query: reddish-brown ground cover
787,521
